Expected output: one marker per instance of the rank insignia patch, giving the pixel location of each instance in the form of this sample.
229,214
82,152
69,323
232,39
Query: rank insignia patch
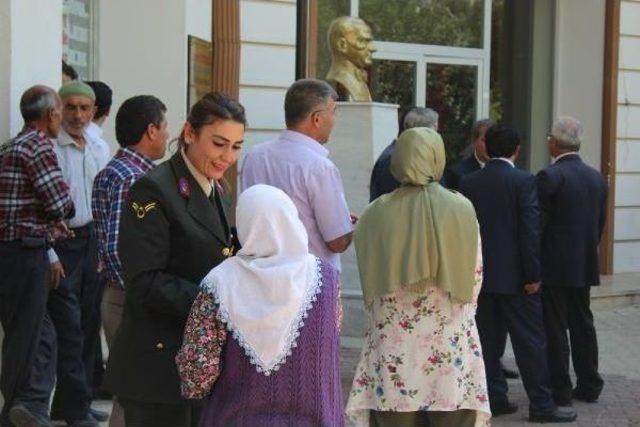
141,210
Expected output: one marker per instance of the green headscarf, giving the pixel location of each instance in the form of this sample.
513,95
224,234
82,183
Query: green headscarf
421,234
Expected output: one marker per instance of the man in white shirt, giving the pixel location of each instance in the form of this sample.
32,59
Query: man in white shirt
104,99
72,306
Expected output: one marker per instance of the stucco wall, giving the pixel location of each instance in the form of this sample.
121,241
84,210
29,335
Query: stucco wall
30,53
142,49
627,211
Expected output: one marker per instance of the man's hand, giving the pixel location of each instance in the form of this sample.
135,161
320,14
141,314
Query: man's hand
354,218
532,288
57,274
62,231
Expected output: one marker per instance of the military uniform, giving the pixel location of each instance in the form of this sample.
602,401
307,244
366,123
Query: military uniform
171,236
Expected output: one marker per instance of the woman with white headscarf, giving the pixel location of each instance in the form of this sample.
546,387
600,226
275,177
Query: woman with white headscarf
279,366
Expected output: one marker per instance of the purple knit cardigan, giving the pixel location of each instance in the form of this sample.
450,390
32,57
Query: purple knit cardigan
305,391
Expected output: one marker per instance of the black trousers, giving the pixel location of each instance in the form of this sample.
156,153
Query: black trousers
23,298
72,308
144,414
570,308
522,316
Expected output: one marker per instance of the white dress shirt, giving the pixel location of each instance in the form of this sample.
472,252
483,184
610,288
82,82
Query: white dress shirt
570,153
79,168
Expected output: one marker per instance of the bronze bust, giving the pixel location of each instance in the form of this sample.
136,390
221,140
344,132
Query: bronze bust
351,44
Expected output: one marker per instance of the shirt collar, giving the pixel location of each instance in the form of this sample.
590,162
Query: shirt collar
480,162
65,139
504,159
94,130
138,158
570,153
304,140
202,180
28,128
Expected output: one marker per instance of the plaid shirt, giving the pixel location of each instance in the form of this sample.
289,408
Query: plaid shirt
110,190
33,194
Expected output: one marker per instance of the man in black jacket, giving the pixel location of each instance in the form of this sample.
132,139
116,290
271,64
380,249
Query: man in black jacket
474,161
506,202
382,182
572,200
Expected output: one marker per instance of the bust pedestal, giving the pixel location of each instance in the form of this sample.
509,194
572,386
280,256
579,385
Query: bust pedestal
362,131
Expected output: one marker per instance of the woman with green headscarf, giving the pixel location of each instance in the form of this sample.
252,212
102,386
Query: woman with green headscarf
420,265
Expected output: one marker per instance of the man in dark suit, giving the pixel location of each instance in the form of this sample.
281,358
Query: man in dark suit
475,160
572,200
382,182
506,202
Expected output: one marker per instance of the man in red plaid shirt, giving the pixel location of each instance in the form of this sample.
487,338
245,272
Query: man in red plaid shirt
34,200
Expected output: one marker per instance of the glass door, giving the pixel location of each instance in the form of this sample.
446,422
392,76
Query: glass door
452,89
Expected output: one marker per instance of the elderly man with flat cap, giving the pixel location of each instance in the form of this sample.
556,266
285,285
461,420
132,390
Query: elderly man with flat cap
71,306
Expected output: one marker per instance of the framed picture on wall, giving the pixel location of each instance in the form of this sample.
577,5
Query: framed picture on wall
199,57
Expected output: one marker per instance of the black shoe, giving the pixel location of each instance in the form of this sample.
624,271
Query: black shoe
510,373
584,396
503,408
87,421
562,399
100,394
555,416
21,416
100,416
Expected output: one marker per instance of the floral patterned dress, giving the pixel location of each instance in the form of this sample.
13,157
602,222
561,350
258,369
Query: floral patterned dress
421,352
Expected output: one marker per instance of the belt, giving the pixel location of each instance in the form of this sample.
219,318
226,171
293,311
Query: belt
83,232
26,243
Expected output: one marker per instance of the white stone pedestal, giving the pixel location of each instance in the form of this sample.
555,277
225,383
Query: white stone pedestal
362,131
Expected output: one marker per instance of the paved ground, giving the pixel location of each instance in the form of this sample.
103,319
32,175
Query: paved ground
619,405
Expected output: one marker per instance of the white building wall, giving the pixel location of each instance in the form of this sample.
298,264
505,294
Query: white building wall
627,204
579,69
199,18
267,64
30,53
142,49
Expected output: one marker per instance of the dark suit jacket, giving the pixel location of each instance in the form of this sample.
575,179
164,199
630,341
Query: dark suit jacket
506,202
573,199
382,182
464,167
166,249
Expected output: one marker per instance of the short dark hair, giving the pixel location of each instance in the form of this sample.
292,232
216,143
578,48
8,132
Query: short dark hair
478,125
502,141
104,98
305,96
69,71
134,117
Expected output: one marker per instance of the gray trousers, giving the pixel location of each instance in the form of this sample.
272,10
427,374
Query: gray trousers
112,308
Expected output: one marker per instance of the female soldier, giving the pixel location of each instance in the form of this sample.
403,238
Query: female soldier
173,231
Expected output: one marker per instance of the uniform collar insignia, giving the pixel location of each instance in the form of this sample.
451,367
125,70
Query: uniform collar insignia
184,187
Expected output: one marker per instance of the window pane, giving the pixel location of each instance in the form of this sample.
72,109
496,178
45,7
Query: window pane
393,82
328,10
438,22
77,36
451,91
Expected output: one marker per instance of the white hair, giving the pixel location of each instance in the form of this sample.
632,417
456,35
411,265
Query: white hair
421,117
568,132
